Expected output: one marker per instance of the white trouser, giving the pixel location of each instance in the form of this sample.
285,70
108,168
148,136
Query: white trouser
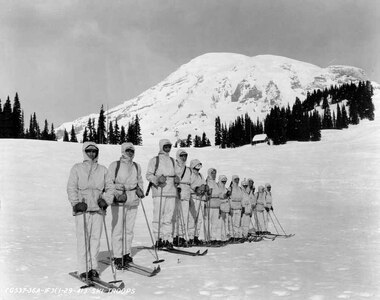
117,229
236,231
245,222
215,224
94,231
224,231
180,218
195,218
167,210
262,224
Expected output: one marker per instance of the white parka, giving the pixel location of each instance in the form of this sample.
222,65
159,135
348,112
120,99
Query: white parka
196,179
236,194
128,177
184,173
166,167
217,193
88,181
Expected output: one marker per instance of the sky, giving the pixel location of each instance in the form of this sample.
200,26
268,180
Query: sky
67,58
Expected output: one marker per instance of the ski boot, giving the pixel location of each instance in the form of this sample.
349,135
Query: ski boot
159,244
93,274
118,262
127,259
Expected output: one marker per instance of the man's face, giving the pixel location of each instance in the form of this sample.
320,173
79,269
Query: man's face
236,180
167,148
213,174
92,153
130,152
183,157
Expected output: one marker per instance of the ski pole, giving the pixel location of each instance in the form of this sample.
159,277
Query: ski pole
208,218
123,237
275,227
183,222
151,235
159,217
109,249
279,222
85,239
257,221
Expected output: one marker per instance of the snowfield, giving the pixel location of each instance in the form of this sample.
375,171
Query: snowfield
327,193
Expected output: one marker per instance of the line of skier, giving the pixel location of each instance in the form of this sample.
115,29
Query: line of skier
188,209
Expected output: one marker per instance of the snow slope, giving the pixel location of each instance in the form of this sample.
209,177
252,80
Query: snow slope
327,193
220,84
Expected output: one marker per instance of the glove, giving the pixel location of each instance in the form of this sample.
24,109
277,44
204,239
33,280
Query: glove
177,180
200,190
228,193
139,192
121,198
161,181
242,210
230,213
80,207
179,191
271,208
209,191
250,215
267,209
102,204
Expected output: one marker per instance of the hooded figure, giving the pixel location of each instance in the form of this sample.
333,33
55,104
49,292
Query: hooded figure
126,174
197,196
162,177
181,211
259,210
225,208
235,201
246,210
90,190
213,206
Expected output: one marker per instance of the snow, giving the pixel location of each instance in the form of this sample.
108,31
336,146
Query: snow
327,193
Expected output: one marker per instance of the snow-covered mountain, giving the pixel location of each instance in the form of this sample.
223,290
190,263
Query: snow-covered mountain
220,84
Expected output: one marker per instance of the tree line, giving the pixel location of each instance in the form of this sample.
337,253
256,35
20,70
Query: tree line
12,123
304,123
113,135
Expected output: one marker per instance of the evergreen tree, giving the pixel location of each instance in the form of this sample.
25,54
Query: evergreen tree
327,122
182,143
297,115
338,124
197,141
101,130
85,135
52,135
189,141
205,141
111,136
218,134
137,129
354,114
17,128
1,109
116,133
325,103
65,136
94,133
45,132
6,120
131,133
345,120
315,126
73,136
123,137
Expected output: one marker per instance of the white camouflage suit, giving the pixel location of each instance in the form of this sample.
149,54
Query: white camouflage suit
259,209
214,202
128,179
166,167
89,181
224,209
181,215
247,204
195,206
235,202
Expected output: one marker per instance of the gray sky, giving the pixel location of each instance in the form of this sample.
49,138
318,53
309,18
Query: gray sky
66,58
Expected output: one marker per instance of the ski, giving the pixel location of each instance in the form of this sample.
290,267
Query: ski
256,238
280,235
138,269
183,252
97,283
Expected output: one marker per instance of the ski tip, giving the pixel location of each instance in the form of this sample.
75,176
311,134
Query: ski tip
198,252
159,261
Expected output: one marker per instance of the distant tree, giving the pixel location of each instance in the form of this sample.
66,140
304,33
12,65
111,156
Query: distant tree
101,130
85,135
52,135
6,120
205,141
17,122
65,136
338,124
137,129
123,137
73,136
345,119
218,133
197,141
45,132
116,132
189,141
315,126
111,136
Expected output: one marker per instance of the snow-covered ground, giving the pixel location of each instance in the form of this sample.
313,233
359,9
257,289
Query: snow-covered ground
327,193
